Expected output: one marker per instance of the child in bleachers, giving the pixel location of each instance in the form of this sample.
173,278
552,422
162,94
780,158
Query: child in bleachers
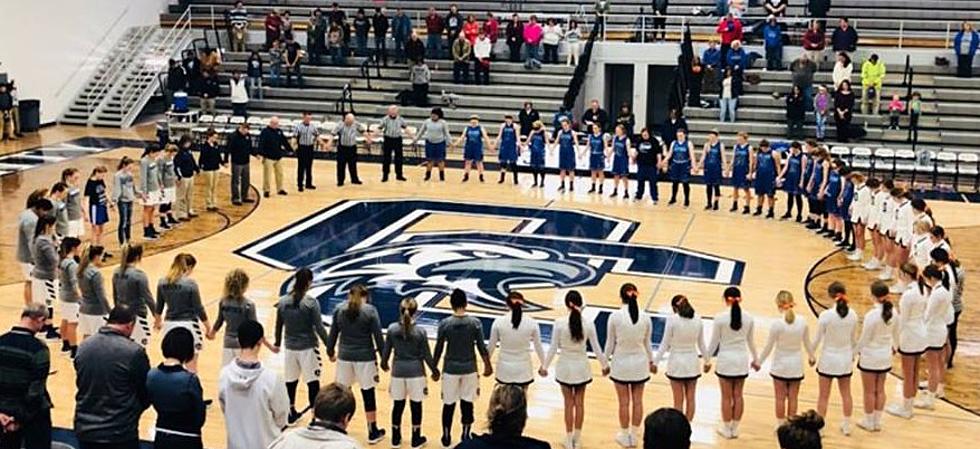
895,109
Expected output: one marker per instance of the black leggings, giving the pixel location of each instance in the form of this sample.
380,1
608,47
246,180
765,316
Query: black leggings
370,403
312,389
712,191
953,338
673,191
510,166
535,172
465,409
399,408
796,199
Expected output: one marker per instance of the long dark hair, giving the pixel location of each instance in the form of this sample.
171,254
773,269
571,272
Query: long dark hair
912,271
838,293
682,306
301,284
573,300
933,272
515,301
880,291
42,224
68,244
131,253
942,256
627,294
733,296
356,297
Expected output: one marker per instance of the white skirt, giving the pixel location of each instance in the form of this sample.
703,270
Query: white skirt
90,324
630,368
936,336
733,364
513,369
683,365
912,339
787,366
572,369
836,362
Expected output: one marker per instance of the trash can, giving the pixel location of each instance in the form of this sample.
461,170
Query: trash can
30,115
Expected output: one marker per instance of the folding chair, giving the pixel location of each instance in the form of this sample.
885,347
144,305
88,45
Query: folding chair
970,166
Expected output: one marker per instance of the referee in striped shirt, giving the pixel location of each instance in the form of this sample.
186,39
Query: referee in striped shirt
392,126
346,133
307,139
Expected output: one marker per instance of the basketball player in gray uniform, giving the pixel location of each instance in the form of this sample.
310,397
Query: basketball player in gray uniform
94,305
131,287
37,206
457,336
179,295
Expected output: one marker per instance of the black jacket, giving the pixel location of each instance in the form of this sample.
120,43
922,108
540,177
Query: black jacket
209,158
210,87
600,117
380,24
795,108
818,8
488,441
253,67
273,144
24,365
238,148
110,377
414,49
514,33
526,119
184,164
6,101
842,40
668,131
176,78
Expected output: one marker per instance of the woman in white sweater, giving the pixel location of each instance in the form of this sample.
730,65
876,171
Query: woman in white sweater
911,342
837,330
878,336
938,311
786,337
732,339
628,333
239,95
571,334
843,69
684,341
514,332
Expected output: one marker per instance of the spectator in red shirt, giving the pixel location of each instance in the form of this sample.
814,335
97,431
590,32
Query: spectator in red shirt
814,42
434,27
491,27
471,28
730,30
273,27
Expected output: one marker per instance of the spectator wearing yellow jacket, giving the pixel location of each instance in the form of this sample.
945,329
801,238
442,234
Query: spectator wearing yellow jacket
872,76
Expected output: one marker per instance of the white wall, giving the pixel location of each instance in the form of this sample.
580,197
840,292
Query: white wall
51,46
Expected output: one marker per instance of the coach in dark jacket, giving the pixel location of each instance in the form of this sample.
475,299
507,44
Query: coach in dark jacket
273,146
239,151
24,365
111,385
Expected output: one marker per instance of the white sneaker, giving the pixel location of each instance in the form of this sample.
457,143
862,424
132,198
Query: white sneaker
734,429
845,428
926,401
623,439
867,424
872,265
569,442
886,275
855,256
724,431
900,411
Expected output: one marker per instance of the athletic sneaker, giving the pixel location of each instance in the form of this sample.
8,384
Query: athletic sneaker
293,417
375,436
418,441
854,256
845,428
925,400
724,431
872,265
623,439
52,334
396,438
867,424
446,441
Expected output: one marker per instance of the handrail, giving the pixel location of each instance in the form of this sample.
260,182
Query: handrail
95,47
110,74
346,98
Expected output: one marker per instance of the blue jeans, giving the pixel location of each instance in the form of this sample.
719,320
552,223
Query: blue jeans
337,56
361,42
274,71
821,125
532,61
646,174
255,86
433,45
727,109
124,232
807,97
399,50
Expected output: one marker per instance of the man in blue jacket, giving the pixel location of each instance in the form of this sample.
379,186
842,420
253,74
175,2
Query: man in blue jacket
965,45
401,29
772,34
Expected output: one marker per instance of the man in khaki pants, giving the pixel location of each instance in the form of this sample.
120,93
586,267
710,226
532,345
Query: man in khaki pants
186,168
210,162
273,146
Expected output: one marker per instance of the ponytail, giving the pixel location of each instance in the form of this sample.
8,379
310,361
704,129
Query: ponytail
932,272
785,303
89,255
150,149
302,281
406,315
942,256
183,263
68,244
131,253
515,301
838,292
682,307
627,293
573,300
912,271
356,297
879,290
236,283
125,161
733,296
43,223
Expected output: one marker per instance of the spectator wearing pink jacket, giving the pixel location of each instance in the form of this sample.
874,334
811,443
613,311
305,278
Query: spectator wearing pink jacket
533,34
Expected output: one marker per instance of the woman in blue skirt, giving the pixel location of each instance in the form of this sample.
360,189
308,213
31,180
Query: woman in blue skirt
764,163
741,156
679,166
567,140
537,141
435,132
473,139
791,181
621,154
598,152
507,144
712,159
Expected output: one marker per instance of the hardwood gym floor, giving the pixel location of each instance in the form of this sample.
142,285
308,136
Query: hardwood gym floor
776,256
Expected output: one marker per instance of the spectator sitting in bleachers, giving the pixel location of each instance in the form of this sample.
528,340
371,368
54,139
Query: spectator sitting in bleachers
401,31
434,26
965,46
776,8
462,53
294,57
843,69
239,27
772,34
273,27
481,59
872,77
595,115
414,48
335,44
176,78
192,68
844,38
515,37
239,94
209,92
336,16
550,39
818,9
362,27
814,42
420,76
453,23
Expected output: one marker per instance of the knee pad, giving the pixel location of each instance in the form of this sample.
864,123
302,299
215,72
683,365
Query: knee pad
370,404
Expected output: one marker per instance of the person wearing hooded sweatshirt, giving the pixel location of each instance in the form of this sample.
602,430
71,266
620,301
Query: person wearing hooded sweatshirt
252,397
332,413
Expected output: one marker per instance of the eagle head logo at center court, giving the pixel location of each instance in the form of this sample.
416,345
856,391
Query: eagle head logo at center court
370,242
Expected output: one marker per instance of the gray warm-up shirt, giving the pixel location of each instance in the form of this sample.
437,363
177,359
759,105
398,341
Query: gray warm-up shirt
181,299
458,335
410,351
301,322
123,187
94,300
150,178
26,223
168,175
73,202
359,336
68,277
45,258
60,217
234,312
433,132
132,288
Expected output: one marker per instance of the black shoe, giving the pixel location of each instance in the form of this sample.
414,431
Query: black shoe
385,179
249,200
418,441
442,175
501,181
52,333
356,182
746,210
106,255
708,207
293,418
687,204
236,203
799,219
208,402
310,187
466,177
401,178
716,205
299,188
481,178
786,216
600,189
614,194
592,190
428,176
266,194
446,441
811,225
672,202
172,220
758,212
375,436
396,438
771,214
282,192
165,225
734,207
561,188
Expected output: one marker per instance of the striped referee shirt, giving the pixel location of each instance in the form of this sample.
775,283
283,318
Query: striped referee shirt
347,133
392,126
306,134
